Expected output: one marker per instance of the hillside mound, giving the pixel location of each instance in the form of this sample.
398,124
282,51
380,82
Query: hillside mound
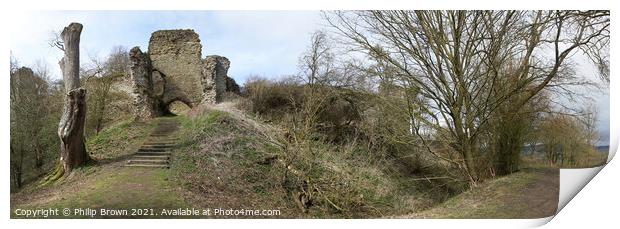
228,158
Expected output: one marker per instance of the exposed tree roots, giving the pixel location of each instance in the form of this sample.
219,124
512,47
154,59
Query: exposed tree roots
53,176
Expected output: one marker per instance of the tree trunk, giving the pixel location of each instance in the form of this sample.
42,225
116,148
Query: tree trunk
38,156
511,131
71,130
71,127
17,175
470,163
465,147
16,168
100,113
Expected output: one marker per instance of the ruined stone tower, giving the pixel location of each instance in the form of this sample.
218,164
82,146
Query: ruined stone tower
214,78
176,55
173,70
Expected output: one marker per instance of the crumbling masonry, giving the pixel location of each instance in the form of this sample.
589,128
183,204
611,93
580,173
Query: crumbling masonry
173,70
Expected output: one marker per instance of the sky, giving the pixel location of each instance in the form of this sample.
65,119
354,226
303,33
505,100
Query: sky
256,42
263,43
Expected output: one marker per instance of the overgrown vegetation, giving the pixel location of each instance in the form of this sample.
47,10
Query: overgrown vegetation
34,120
227,161
431,104
220,161
464,91
431,101
37,102
567,141
106,184
106,80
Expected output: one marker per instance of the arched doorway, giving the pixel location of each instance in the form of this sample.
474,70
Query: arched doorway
177,107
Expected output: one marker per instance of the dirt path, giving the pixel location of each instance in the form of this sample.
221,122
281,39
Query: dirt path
530,193
540,197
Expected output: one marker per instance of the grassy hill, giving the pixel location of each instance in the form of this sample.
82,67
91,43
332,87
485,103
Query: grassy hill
226,159
106,183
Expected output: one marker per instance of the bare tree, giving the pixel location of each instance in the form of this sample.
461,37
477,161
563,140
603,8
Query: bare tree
71,127
117,62
41,71
568,140
598,49
457,61
98,85
29,120
22,88
99,78
14,65
590,134
316,64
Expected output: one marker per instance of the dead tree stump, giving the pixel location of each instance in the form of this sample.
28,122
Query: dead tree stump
71,127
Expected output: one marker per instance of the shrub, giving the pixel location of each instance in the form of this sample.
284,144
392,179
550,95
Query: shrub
271,99
346,149
334,111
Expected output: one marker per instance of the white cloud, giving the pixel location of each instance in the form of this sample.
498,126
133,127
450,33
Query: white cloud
256,42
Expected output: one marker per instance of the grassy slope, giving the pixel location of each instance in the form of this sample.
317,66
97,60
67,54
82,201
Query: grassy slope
220,164
107,184
530,193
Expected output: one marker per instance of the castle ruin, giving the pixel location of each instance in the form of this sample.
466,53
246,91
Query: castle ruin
173,70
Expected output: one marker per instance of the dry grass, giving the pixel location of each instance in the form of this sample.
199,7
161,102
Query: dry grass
229,158
328,158
220,164
107,184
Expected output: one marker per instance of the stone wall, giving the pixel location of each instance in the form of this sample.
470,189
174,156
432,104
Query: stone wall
176,55
232,86
173,70
214,74
145,102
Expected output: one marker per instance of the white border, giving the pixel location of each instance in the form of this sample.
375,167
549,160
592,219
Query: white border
603,183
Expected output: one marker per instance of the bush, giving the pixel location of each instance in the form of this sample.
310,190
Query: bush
334,111
271,99
346,149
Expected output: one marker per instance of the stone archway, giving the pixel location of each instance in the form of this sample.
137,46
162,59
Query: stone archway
173,70
177,107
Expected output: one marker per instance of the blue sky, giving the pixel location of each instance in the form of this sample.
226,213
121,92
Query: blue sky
264,43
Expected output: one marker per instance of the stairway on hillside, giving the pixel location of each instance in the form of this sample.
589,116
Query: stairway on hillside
155,151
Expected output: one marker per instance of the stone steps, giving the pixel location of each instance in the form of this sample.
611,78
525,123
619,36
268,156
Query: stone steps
162,138
164,146
148,161
151,157
152,141
148,166
152,153
155,152
143,149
